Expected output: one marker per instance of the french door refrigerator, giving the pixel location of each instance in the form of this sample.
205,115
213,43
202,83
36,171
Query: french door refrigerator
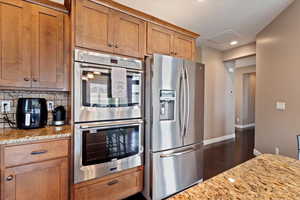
174,125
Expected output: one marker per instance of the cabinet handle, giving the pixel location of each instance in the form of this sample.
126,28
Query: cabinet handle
35,80
175,54
116,46
9,178
110,45
26,79
113,182
39,152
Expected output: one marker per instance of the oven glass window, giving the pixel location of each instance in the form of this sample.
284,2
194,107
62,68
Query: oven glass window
97,90
104,145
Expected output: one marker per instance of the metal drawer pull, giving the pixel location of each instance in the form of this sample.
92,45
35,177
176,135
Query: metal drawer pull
113,182
9,178
39,152
178,153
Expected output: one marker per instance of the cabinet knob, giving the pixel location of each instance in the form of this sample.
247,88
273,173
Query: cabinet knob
175,54
26,79
35,80
110,45
172,52
116,46
9,178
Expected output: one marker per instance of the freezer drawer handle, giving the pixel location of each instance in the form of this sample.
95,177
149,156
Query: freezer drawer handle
178,153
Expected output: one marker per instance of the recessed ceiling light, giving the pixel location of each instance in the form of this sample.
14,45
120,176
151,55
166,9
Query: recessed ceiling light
232,43
200,0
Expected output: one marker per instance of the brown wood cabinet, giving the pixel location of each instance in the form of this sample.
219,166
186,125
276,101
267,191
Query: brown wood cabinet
116,186
164,41
32,46
15,41
40,171
48,67
103,29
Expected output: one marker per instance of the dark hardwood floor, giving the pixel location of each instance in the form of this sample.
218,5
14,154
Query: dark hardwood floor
222,156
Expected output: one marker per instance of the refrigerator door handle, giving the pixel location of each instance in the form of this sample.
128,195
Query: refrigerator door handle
180,104
186,101
178,153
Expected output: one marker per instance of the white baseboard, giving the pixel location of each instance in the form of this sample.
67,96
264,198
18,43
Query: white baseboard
218,139
256,152
245,126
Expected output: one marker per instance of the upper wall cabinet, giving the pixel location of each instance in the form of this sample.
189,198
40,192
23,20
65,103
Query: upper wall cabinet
32,46
103,29
15,44
48,48
164,41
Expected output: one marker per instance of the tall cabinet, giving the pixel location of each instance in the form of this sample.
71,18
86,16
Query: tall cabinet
32,47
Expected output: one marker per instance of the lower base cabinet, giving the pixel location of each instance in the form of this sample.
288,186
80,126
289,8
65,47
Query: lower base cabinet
46,180
112,187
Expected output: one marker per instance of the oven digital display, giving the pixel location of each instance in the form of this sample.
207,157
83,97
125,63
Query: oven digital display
114,61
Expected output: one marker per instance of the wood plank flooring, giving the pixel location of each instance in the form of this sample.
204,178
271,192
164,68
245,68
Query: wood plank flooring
222,156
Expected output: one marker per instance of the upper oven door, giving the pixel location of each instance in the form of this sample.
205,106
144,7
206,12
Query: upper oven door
93,94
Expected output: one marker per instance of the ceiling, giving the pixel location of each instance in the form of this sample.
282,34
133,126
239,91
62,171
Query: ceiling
217,21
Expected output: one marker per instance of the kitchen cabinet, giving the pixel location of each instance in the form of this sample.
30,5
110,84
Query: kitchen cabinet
38,170
32,47
103,29
160,40
48,67
15,43
47,180
168,42
184,47
115,186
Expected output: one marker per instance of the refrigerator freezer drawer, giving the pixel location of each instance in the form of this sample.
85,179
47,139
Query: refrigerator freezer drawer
176,170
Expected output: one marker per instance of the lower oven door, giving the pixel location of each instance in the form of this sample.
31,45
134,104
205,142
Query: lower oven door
104,148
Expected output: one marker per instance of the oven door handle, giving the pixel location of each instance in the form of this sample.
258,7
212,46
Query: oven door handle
93,66
112,124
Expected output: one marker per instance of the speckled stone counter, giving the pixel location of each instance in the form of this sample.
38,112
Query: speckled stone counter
266,177
16,136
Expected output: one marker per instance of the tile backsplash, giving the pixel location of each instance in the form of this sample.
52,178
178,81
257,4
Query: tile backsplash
58,98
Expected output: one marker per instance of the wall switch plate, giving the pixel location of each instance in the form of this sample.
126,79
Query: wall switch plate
277,150
280,105
50,105
5,106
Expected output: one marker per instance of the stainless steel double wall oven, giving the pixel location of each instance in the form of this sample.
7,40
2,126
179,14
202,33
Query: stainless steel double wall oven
108,102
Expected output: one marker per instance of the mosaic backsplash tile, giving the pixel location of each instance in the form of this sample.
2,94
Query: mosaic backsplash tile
58,98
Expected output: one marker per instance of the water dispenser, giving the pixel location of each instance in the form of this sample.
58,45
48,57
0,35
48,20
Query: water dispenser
167,105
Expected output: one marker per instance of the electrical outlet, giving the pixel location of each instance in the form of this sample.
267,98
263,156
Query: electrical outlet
5,106
277,150
50,105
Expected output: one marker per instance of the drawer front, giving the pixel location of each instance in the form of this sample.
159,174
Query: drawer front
112,189
28,153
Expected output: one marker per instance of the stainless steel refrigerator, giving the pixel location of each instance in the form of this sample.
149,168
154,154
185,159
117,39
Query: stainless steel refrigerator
174,125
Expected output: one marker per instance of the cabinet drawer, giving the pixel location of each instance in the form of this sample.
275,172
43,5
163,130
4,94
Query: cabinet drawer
28,153
111,189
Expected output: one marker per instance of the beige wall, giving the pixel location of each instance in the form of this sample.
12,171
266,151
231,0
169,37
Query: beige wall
219,100
278,72
240,52
244,107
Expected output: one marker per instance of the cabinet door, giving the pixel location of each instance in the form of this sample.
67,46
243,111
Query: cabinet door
129,35
43,181
94,26
184,47
15,44
48,48
160,40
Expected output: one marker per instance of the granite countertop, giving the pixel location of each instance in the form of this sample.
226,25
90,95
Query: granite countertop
16,136
270,177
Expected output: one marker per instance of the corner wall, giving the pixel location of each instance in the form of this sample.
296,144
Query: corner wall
278,79
219,99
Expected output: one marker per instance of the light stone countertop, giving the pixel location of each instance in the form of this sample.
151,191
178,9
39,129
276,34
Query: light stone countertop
16,136
266,177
